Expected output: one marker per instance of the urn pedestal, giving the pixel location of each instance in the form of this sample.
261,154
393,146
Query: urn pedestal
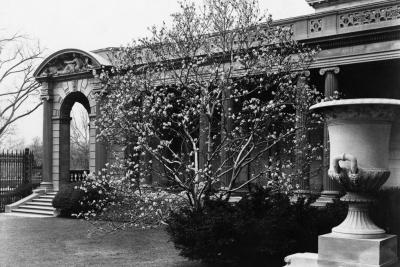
359,132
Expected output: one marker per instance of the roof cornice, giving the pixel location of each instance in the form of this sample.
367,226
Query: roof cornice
325,5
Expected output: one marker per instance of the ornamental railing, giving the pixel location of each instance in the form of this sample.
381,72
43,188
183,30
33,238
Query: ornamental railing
77,175
17,169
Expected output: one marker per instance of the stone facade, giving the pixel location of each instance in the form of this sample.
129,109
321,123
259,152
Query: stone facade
360,55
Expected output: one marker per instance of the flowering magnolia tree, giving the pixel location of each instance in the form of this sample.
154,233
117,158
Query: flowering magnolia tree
220,92
112,201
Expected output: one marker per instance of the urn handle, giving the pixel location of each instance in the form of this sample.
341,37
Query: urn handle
344,157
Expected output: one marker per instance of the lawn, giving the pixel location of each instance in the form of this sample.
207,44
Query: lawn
65,242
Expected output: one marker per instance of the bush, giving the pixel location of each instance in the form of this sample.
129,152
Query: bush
385,211
263,227
23,190
71,200
68,199
145,208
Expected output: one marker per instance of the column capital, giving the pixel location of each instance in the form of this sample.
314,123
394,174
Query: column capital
45,91
335,70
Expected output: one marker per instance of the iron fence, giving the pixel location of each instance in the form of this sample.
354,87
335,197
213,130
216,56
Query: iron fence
17,169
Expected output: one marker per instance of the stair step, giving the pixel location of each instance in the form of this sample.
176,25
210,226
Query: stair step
46,196
51,193
38,203
49,200
36,207
33,211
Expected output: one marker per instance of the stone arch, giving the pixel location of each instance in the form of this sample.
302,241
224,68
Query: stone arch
64,133
70,100
68,77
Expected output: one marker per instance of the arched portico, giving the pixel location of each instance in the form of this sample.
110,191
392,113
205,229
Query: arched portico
67,77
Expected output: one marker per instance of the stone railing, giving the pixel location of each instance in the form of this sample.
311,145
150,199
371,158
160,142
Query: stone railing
77,175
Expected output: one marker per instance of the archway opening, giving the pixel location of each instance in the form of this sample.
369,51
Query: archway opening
74,138
79,138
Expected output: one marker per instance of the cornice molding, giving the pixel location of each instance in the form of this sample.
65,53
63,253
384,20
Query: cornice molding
327,5
314,3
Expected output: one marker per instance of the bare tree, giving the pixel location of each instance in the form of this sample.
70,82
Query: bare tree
36,147
18,60
79,138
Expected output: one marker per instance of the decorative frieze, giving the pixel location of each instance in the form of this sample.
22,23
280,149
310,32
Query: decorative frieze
68,63
315,25
369,16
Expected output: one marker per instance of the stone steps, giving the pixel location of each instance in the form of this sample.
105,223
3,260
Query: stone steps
40,206
40,199
37,207
37,203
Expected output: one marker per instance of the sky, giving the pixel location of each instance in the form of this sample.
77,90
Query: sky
94,24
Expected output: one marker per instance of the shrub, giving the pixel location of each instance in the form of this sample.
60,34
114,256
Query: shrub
72,200
385,211
23,190
145,208
116,195
263,227
68,199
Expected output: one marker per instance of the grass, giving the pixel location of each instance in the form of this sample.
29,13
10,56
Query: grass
65,242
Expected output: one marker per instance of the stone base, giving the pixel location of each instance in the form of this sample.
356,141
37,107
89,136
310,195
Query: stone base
311,260
369,252
334,251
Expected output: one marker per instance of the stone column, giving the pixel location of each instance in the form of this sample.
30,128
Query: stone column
101,147
101,155
92,143
330,188
47,181
302,168
64,159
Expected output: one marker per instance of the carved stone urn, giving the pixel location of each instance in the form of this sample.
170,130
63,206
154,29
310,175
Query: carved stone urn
359,132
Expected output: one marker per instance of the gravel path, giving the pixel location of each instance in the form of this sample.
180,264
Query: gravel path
65,242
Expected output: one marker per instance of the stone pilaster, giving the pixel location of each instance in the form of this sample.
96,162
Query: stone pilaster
331,189
92,143
302,167
64,160
47,179
101,147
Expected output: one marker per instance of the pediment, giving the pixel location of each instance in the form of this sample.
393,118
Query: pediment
69,62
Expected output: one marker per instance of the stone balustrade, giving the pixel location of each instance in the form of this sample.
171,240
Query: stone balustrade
77,175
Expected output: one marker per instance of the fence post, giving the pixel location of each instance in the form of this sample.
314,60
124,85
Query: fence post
26,166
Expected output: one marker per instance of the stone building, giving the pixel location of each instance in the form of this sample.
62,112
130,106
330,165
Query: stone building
360,58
